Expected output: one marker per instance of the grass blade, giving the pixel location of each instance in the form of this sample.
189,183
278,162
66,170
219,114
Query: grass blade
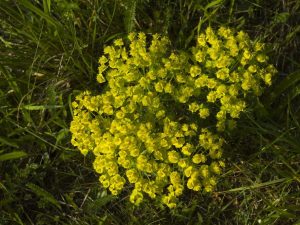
41,107
43,194
130,15
8,142
260,185
13,155
40,13
287,83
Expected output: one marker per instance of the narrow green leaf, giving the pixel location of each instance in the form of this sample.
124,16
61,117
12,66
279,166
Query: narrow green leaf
13,155
6,43
18,219
212,4
2,186
11,81
96,205
294,93
39,12
130,15
287,83
47,5
8,142
260,185
281,17
43,194
61,135
40,107
70,201
292,34
297,223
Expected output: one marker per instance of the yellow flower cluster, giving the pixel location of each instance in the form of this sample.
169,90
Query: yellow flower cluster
231,69
150,126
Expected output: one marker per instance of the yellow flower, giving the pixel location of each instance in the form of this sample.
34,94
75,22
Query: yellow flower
204,171
268,78
194,184
215,168
199,158
188,171
200,56
178,142
104,179
183,163
118,42
203,112
258,46
212,96
175,178
159,86
201,40
187,149
247,54
224,32
160,114
223,73
132,175
136,197
173,156
169,88
100,78
195,71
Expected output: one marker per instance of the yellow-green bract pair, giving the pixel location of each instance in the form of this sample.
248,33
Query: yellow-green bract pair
158,124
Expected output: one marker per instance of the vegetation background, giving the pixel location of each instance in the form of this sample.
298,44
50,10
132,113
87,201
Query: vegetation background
48,53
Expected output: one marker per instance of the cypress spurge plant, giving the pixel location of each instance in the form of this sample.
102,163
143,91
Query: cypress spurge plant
159,123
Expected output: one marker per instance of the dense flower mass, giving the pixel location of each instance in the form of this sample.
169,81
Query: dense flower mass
158,124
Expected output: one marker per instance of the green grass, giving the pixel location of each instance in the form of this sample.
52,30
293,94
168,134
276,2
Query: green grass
48,53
